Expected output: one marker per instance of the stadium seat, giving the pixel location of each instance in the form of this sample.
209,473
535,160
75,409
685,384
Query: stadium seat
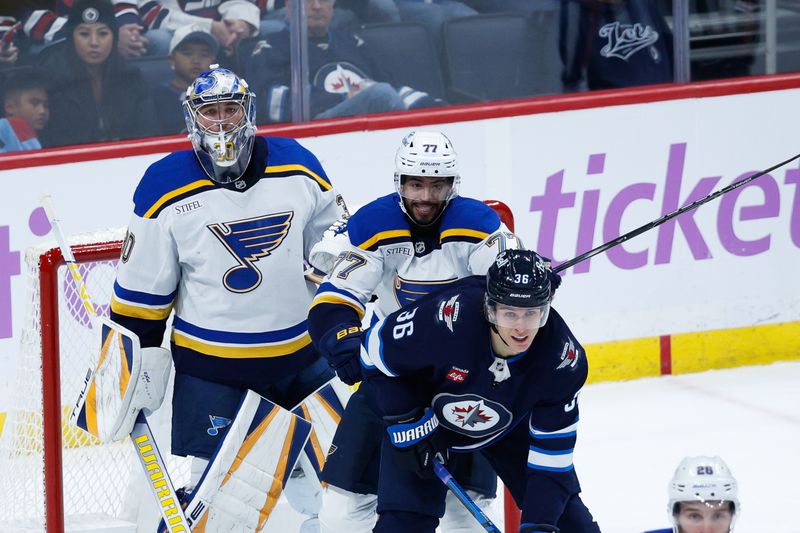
494,57
406,53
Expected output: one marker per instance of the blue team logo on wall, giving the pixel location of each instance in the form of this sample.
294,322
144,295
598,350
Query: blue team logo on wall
470,414
407,291
248,241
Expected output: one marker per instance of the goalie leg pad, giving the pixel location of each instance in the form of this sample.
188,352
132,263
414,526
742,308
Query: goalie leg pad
249,470
127,379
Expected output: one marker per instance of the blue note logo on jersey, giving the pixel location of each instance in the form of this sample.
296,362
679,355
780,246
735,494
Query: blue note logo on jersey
407,291
217,423
470,414
248,241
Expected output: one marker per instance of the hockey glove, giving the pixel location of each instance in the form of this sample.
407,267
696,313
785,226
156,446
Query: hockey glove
538,528
416,442
342,347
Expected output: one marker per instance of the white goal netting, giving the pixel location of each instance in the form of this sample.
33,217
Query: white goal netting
96,478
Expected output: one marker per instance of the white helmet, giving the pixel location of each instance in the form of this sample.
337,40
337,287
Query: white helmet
222,140
702,479
426,154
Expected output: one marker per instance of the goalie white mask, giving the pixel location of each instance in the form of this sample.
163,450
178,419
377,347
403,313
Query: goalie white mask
426,175
220,117
703,496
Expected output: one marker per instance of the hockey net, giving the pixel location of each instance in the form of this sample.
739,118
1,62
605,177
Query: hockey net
54,476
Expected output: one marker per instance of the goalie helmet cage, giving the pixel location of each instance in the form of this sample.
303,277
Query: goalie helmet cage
55,476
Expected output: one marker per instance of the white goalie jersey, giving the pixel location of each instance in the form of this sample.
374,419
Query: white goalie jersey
387,259
230,262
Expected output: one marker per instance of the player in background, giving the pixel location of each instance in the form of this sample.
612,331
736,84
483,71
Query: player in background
703,497
219,235
485,364
417,240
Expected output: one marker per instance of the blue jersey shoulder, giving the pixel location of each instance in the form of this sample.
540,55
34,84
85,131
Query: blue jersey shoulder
468,219
287,157
168,180
378,223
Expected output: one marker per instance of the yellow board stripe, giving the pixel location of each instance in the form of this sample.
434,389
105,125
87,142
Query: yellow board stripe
383,235
332,299
301,168
139,312
241,352
463,232
177,192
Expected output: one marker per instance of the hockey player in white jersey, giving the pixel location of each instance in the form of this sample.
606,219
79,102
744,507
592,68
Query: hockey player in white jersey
398,248
219,235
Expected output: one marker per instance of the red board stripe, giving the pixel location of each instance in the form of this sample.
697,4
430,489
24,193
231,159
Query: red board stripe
665,342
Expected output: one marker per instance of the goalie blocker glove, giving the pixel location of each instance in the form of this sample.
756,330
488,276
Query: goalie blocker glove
416,442
341,346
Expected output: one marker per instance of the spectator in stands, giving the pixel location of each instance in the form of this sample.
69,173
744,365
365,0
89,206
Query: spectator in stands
191,52
343,79
96,96
27,110
614,43
9,52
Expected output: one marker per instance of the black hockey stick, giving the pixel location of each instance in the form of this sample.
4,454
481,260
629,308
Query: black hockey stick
447,478
655,223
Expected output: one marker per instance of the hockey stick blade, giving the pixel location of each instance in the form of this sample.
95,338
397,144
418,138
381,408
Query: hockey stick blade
447,478
657,222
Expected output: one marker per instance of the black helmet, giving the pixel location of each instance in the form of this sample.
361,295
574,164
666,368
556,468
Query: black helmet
519,280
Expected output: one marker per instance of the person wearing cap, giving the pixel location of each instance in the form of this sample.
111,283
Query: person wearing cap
192,50
703,497
96,96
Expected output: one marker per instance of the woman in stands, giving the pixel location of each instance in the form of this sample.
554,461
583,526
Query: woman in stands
96,96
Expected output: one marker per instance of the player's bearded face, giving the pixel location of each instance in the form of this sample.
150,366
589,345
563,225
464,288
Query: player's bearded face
704,517
425,197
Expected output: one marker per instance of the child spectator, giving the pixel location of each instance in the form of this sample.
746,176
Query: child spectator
191,52
27,109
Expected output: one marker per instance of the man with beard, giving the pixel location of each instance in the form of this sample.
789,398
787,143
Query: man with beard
400,247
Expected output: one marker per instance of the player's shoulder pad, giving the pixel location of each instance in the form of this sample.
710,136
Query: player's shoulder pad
169,180
379,223
569,357
287,157
467,220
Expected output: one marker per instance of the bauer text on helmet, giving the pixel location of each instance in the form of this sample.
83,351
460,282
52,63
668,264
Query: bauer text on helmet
426,175
703,496
220,117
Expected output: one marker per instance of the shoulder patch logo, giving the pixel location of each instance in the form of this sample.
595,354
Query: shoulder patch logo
569,356
249,240
448,312
457,375
470,414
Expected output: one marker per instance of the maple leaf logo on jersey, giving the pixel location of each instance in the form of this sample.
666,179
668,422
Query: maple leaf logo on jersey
448,312
249,240
471,415
569,356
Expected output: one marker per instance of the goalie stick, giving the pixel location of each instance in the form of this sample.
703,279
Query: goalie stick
657,222
144,443
447,478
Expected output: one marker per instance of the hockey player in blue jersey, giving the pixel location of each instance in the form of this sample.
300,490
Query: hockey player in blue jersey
485,364
703,497
399,247
220,235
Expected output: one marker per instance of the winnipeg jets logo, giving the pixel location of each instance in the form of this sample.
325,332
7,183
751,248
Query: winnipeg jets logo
470,414
248,241
569,356
624,40
448,312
